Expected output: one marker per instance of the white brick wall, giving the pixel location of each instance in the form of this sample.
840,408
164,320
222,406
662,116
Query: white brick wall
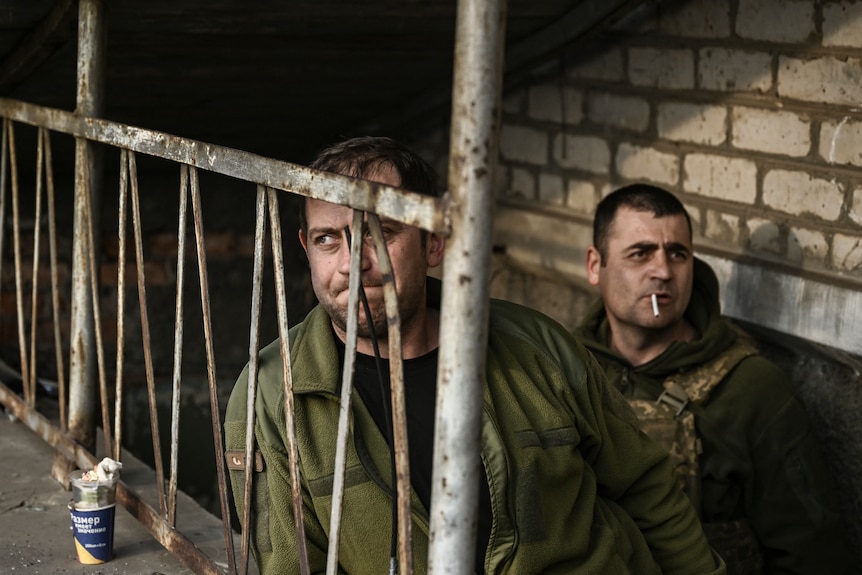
842,24
551,189
586,153
620,111
771,132
523,144
856,207
841,142
582,197
763,236
807,246
798,193
701,124
523,184
697,19
734,70
775,20
555,103
826,80
732,179
641,163
661,68
847,252
722,227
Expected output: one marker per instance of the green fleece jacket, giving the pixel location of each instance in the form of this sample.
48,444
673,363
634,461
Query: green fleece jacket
575,487
761,460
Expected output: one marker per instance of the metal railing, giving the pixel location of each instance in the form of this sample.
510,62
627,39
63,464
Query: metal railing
464,214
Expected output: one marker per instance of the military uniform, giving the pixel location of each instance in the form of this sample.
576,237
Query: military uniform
741,442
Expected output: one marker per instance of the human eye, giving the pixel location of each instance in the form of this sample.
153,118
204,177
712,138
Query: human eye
324,240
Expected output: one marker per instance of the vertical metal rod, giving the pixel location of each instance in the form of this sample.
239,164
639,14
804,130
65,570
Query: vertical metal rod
178,345
354,282
122,218
145,335
253,353
466,275
3,163
55,282
90,251
90,88
399,409
287,375
215,413
29,397
34,286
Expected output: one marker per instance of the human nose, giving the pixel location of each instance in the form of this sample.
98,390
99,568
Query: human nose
365,254
661,265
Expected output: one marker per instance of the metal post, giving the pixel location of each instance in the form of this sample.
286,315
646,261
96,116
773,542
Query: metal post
466,275
82,384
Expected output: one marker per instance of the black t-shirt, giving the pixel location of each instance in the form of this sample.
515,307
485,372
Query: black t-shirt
420,390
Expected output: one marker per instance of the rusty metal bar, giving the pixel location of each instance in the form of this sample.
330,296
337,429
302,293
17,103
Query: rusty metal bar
466,276
178,345
122,219
414,209
89,102
145,334
4,138
399,410
29,395
211,373
253,352
353,284
287,376
34,286
55,287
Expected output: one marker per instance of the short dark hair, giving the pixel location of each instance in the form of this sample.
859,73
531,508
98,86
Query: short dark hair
360,157
638,197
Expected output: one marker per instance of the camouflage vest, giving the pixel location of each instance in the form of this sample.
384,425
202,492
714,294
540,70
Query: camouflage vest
670,420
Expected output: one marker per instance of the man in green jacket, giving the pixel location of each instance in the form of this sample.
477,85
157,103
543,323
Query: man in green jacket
569,484
742,443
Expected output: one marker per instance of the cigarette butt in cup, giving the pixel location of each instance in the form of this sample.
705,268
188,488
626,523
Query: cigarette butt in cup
655,305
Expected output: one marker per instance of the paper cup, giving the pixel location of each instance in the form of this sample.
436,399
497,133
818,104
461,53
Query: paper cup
94,533
92,494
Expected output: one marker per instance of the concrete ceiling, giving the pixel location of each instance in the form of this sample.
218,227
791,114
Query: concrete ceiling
268,76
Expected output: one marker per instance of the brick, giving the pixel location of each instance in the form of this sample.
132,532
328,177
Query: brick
692,123
512,102
523,144
824,80
798,193
697,19
734,70
722,227
619,111
606,64
636,163
841,142
551,190
807,246
220,245
856,208
582,197
164,245
694,215
732,179
586,153
554,103
789,21
772,132
523,184
661,68
763,236
842,25
847,252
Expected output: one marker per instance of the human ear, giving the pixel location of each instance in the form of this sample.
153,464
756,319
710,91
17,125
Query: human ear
435,245
594,262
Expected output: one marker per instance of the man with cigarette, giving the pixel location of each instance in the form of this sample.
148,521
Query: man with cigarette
743,447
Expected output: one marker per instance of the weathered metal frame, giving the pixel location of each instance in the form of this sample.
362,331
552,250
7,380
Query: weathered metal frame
465,211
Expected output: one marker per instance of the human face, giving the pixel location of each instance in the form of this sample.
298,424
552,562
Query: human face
328,254
645,255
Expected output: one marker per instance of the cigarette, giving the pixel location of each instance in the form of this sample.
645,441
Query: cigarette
655,305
